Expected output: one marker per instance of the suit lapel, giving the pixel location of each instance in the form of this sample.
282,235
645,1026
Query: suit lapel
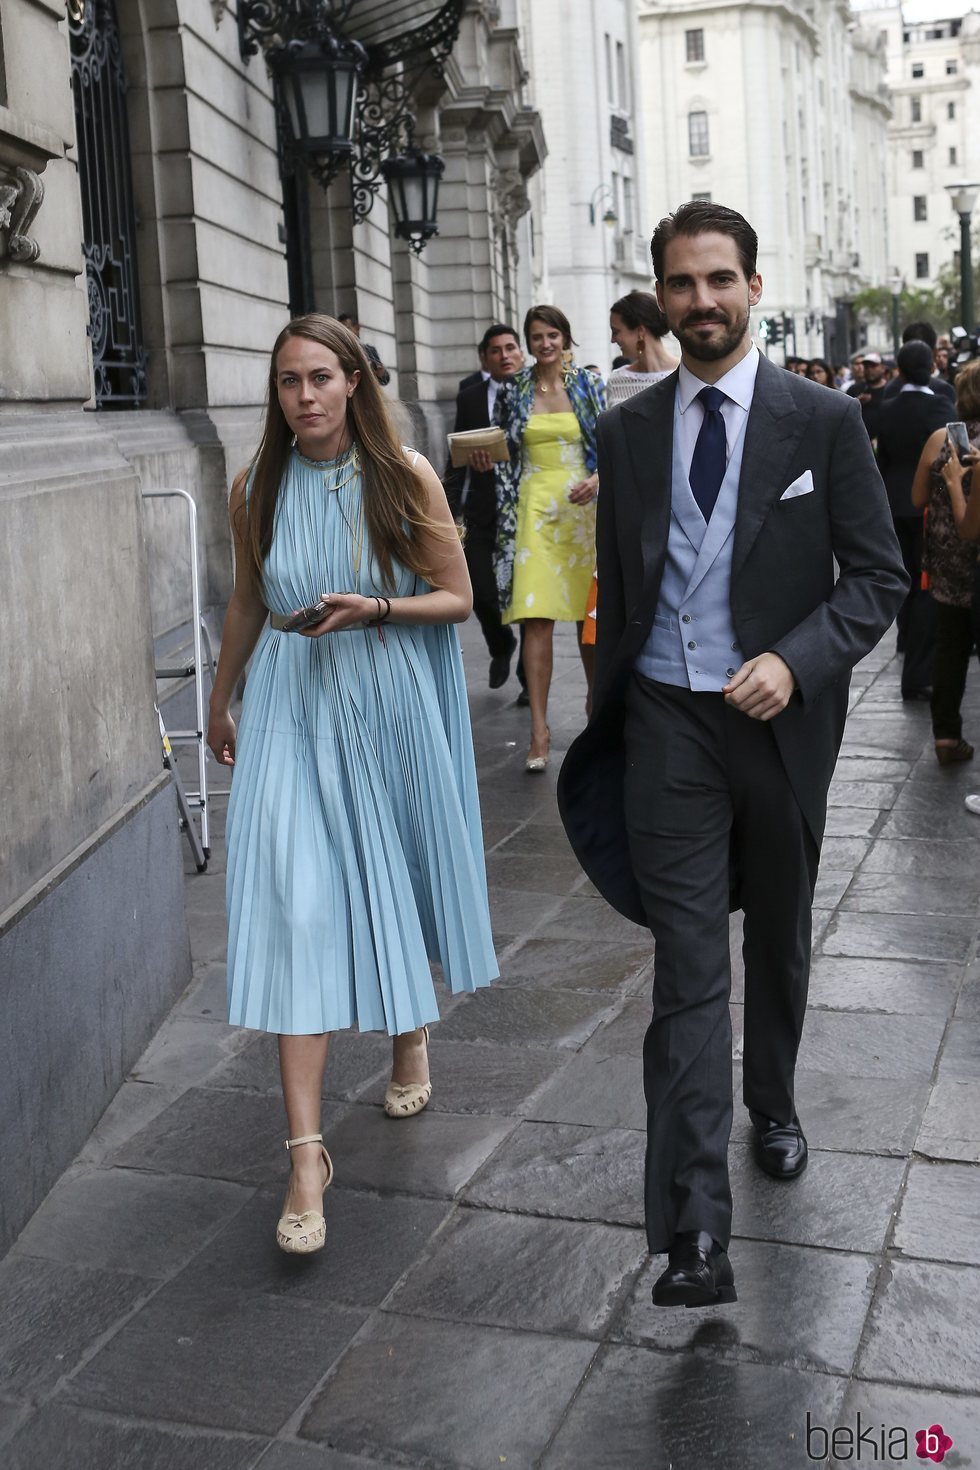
648,423
775,426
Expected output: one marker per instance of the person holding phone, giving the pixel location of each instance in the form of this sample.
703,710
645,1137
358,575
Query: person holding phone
355,853
950,562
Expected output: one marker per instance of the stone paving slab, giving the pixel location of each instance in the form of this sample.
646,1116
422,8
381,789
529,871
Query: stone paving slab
150,1224
557,1276
894,987
915,1333
483,1299
379,1401
102,1442
939,1213
224,1359
951,1125
641,1408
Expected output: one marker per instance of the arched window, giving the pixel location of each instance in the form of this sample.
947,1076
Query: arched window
108,223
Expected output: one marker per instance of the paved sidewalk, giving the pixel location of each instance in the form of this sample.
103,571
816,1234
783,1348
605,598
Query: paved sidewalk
484,1296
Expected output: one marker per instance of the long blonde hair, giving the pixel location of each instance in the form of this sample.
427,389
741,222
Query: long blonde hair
395,497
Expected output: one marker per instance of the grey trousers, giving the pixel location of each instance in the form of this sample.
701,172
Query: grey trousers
705,790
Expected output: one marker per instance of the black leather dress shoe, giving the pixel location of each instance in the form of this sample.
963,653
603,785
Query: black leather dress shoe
500,669
779,1149
523,699
698,1274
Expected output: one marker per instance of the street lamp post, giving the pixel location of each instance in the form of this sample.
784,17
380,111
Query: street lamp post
963,197
896,285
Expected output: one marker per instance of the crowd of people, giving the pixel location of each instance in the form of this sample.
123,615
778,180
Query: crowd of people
742,556
912,406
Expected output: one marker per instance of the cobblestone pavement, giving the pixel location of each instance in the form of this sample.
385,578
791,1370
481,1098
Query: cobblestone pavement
484,1297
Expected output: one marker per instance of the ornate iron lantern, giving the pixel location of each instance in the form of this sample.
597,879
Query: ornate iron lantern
318,83
413,187
341,102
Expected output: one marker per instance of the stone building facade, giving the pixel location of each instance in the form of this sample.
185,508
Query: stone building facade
933,59
592,210
93,943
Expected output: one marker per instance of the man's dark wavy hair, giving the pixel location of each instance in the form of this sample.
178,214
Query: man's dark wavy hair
701,217
499,329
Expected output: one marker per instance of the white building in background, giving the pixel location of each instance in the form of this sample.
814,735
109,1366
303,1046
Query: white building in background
933,58
779,110
590,211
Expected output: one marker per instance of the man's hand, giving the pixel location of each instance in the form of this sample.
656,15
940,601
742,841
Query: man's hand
480,461
761,688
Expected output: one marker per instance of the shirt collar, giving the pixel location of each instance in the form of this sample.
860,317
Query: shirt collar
917,388
738,383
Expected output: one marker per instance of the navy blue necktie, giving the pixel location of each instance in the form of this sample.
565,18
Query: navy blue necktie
710,457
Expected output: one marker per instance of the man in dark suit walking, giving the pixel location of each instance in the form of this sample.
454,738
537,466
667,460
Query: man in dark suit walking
472,493
724,650
907,419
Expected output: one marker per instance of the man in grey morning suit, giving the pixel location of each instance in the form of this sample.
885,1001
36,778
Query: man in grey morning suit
723,657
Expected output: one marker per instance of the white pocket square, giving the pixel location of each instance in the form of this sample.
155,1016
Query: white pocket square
803,485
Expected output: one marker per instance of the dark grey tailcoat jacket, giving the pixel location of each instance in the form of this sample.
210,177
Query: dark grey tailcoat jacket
786,595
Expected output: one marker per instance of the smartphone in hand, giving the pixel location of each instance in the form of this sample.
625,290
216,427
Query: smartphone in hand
307,617
959,441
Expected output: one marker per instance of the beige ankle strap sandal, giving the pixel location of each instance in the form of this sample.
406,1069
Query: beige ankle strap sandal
301,1235
404,1100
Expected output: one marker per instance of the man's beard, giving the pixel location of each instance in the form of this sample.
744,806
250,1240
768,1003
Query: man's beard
714,348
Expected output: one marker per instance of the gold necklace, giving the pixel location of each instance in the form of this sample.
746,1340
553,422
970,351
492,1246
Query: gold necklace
542,386
349,468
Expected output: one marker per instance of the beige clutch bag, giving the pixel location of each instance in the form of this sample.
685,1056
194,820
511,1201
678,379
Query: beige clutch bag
461,445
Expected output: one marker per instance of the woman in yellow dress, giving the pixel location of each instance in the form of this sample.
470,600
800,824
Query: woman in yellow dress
546,504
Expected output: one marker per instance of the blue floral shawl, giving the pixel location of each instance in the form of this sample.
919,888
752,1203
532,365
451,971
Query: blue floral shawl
512,409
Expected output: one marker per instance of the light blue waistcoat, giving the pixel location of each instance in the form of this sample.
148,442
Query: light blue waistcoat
693,641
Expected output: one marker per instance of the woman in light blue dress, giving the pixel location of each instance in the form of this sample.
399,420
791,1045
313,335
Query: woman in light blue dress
355,853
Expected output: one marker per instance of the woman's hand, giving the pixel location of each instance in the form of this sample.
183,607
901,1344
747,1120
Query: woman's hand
953,472
584,491
346,610
221,736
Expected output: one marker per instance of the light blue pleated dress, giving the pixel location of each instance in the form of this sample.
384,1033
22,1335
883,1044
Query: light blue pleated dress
355,854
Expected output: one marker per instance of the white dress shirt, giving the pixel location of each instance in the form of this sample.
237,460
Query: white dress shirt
738,385
492,389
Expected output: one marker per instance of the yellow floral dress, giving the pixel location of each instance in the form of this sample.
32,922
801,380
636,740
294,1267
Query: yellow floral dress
554,553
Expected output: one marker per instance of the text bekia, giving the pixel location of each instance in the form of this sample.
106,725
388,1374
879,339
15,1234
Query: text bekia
874,1444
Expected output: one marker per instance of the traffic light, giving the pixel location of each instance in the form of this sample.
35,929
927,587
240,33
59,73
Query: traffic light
771,329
